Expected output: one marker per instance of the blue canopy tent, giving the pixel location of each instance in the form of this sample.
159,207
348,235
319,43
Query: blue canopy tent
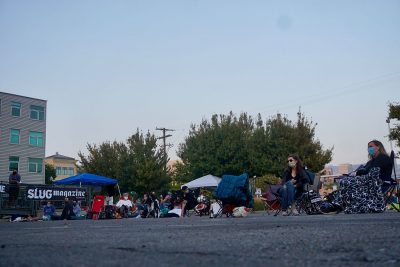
88,179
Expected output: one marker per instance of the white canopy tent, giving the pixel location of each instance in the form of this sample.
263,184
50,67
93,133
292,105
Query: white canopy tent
205,181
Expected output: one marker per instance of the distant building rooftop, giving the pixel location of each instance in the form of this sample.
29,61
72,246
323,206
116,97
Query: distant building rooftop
23,96
59,156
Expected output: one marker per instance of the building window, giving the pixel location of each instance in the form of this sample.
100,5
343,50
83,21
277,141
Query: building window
36,139
58,171
13,163
15,109
37,112
65,171
71,171
35,165
14,136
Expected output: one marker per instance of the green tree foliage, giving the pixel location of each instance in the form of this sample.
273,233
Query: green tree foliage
136,164
232,145
49,173
394,114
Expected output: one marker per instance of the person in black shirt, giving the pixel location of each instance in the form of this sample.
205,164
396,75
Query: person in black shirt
363,193
293,183
189,200
13,180
378,158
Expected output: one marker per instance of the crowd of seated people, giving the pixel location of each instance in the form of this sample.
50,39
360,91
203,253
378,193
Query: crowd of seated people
361,193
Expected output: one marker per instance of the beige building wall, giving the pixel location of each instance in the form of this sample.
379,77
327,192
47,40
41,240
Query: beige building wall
65,166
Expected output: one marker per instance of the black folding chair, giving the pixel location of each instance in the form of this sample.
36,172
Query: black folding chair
310,201
391,188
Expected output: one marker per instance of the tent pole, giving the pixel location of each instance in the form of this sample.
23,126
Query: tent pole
119,191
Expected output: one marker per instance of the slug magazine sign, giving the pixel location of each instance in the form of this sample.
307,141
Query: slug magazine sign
54,193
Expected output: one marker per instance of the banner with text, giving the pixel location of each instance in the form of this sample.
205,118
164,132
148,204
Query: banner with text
55,193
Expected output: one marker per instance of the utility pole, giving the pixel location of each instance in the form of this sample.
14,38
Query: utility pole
164,137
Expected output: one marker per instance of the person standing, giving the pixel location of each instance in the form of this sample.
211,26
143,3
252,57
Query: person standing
13,180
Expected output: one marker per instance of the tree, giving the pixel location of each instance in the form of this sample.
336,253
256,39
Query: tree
394,113
232,145
137,164
49,173
216,147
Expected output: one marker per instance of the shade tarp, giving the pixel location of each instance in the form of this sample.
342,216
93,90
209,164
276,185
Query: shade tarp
205,181
87,179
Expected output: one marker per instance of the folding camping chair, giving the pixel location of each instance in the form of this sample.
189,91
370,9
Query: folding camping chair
271,199
216,208
391,188
97,207
310,201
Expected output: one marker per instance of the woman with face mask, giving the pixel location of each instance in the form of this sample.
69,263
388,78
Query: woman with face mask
363,193
293,182
378,158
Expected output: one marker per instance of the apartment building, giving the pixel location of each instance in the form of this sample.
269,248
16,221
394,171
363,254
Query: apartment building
22,137
65,166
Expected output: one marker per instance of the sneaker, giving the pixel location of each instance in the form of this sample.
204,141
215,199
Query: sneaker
284,213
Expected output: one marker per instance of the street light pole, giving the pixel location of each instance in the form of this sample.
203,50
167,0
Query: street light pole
390,141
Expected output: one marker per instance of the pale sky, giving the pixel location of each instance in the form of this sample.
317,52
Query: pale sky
107,68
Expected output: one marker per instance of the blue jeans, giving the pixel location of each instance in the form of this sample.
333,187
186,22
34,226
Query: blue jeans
287,194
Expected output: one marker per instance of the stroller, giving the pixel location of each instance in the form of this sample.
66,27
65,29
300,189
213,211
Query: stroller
203,206
233,191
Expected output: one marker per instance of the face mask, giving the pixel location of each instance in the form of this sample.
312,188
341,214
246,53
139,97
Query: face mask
126,198
371,151
48,205
292,164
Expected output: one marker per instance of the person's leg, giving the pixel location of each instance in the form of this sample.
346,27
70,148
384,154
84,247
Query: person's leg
64,213
183,208
283,197
291,191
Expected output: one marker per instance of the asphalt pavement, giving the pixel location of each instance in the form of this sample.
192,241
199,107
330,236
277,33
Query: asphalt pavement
256,240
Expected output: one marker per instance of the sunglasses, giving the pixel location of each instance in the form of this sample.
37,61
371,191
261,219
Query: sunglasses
290,160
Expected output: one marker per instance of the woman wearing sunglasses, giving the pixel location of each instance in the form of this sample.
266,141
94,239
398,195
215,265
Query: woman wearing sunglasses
293,181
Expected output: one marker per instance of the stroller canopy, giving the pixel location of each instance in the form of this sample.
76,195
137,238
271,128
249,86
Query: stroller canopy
87,179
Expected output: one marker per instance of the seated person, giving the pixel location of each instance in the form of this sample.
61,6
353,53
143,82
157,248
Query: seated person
67,212
165,204
124,205
48,211
189,201
176,211
363,193
146,205
378,159
155,203
293,182
111,191
76,208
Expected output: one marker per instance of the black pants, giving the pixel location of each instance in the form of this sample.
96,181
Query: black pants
13,192
67,213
